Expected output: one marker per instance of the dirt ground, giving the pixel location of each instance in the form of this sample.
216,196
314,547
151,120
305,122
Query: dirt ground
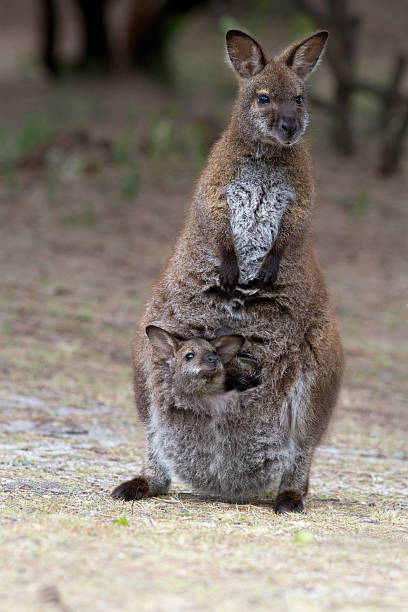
87,221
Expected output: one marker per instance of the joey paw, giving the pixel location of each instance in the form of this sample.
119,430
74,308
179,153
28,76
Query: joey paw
137,488
289,501
248,381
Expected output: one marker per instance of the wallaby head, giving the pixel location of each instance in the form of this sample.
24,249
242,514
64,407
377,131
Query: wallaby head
271,104
196,365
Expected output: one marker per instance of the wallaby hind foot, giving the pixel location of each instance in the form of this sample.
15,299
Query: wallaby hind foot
155,480
288,501
138,488
294,484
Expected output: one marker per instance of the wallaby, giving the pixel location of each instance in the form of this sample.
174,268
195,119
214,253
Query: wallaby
244,261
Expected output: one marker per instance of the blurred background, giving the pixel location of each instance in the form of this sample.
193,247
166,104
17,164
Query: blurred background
107,112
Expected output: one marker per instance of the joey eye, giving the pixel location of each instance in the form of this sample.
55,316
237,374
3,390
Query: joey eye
299,100
189,356
263,99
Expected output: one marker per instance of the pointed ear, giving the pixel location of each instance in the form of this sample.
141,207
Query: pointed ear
245,53
228,346
303,57
164,344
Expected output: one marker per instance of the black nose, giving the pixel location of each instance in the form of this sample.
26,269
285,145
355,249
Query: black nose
212,358
288,127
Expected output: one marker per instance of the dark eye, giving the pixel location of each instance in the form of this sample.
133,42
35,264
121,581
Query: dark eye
189,356
299,100
263,99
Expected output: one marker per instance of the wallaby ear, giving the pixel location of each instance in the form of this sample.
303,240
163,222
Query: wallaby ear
228,346
245,53
163,343
302,57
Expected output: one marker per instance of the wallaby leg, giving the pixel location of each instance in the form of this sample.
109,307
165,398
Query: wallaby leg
294,484
154,480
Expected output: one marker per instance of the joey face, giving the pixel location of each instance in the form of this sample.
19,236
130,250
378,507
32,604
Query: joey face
271,104
197,368
196,365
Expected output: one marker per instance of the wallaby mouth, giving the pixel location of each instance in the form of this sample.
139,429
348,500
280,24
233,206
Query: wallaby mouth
288,142
210,373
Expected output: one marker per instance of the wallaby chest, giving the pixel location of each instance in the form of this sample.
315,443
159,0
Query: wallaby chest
257,199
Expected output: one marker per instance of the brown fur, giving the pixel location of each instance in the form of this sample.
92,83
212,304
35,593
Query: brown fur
284,313
137,488
288,501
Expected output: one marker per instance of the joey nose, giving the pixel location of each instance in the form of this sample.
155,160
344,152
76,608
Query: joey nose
212,358
288,127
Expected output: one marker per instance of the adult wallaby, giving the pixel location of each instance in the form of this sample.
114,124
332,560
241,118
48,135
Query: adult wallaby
244,261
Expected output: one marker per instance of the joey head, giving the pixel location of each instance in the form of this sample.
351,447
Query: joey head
196,366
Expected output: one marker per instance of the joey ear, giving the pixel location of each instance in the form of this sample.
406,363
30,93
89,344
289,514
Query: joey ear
228,346
245,53
303,57
164,343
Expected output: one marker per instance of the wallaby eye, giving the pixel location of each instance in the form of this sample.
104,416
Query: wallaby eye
299,100
263,99
189,356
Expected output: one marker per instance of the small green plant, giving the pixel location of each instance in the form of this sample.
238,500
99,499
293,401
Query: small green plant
121,521
122,149
301,25
304,536
162,141
359,205
34,131
50,175
86,217
6,328
131,184
228,22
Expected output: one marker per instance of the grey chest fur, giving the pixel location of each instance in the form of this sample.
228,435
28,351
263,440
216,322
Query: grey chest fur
257,199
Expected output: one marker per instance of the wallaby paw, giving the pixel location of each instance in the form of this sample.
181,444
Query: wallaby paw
248,381
137,488
267,276
229,273
288,501
228,280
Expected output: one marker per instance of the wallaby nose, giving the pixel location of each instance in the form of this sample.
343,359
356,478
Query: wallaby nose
288,127
212,358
